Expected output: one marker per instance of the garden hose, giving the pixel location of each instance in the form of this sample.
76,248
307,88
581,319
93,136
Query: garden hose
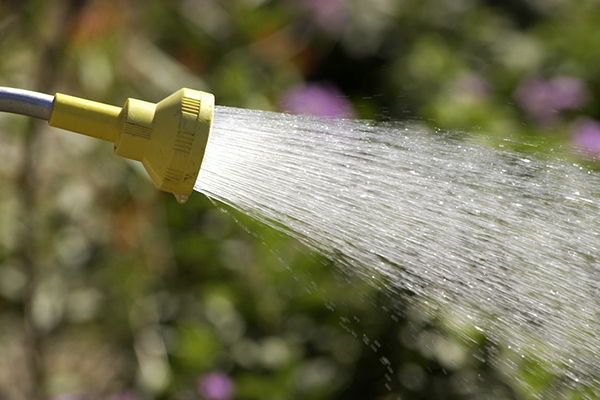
169,138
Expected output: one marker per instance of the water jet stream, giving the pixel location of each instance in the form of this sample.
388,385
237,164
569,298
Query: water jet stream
499,240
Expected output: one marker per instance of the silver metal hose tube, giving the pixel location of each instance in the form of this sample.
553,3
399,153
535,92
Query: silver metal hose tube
26,102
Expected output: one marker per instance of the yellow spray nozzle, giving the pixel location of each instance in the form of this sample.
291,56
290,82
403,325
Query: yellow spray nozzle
169,137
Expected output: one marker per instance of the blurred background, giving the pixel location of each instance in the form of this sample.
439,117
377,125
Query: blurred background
110,289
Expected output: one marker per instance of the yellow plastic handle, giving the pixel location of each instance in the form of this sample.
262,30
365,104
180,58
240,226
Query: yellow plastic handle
86,117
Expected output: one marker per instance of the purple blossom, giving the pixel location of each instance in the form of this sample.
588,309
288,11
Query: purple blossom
472,87
569,93
216,386
329,15
544,99
69,396
320,99
586,136
124,396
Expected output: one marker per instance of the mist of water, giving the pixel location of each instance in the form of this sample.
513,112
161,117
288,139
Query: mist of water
504,241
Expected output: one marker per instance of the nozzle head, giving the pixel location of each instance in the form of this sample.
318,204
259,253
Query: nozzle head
169,138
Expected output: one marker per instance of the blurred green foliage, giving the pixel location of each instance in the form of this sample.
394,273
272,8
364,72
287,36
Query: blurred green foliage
109,289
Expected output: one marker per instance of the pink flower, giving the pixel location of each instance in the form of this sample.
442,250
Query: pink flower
544,99
586,136
320,99
69,396
472,88
216,386
329,15
124,396
569,93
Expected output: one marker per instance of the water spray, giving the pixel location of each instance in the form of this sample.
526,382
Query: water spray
169,138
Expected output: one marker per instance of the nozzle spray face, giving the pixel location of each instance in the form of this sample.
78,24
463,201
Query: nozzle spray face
169,137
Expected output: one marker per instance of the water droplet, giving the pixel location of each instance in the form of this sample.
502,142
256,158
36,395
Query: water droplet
181,198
